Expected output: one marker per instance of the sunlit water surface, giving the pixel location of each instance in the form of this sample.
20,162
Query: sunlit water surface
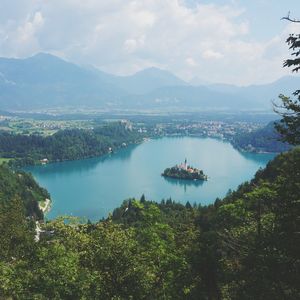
92,188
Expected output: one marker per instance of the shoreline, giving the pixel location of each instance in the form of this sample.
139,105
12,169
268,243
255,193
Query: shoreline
46,207
147,139
117,149
240,149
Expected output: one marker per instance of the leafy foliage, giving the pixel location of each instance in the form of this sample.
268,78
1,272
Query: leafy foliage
245,246
65,144
266,139
289,109
20,185
289,125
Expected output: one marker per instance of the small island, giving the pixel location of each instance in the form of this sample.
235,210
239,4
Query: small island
183,171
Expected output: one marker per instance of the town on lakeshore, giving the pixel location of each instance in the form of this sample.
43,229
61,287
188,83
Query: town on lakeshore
184,171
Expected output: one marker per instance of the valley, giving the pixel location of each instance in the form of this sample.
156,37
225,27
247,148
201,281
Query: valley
149,150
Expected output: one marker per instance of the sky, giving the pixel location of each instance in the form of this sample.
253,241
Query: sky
221,41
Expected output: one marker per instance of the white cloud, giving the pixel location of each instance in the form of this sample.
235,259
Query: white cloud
20,37
131,45
211,54
212,42
27,31
191,62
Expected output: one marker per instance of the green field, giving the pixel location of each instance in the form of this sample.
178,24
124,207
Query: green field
29,126
4,160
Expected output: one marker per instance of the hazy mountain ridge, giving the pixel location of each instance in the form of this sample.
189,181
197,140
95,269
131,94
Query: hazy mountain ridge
46,81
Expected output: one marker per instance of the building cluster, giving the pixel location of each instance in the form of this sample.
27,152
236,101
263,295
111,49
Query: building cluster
184,166
127,124
214,129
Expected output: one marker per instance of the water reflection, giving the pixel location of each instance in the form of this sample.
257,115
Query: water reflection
258,157
84,165
94,187
184,183
123,154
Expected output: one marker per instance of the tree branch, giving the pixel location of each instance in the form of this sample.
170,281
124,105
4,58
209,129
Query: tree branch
289,19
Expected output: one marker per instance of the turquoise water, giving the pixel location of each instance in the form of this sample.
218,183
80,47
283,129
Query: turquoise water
94,187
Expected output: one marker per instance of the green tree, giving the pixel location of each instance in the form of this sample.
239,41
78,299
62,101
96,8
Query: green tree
289,108
17,233
143,199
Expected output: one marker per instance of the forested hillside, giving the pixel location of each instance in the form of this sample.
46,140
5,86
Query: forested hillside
266,139
245,246
68,144
18,186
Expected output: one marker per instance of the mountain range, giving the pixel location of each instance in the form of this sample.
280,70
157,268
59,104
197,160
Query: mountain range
46,81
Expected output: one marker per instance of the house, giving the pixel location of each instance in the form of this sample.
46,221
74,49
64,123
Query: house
44,161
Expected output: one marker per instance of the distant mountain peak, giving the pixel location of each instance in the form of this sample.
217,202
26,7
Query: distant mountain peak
157,74
154,71
45,80
43,56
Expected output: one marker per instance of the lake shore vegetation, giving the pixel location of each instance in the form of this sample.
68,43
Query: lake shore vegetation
166,250
69,144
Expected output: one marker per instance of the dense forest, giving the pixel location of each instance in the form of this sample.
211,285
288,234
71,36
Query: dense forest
245,246
68,144
266,139
20,186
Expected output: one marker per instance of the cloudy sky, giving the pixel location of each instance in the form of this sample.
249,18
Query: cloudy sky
229,41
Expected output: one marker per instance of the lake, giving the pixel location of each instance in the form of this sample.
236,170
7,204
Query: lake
92,188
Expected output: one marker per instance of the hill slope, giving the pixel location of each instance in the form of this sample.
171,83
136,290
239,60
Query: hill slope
265,139
68,144
45,81
16,185
148,80
245,246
